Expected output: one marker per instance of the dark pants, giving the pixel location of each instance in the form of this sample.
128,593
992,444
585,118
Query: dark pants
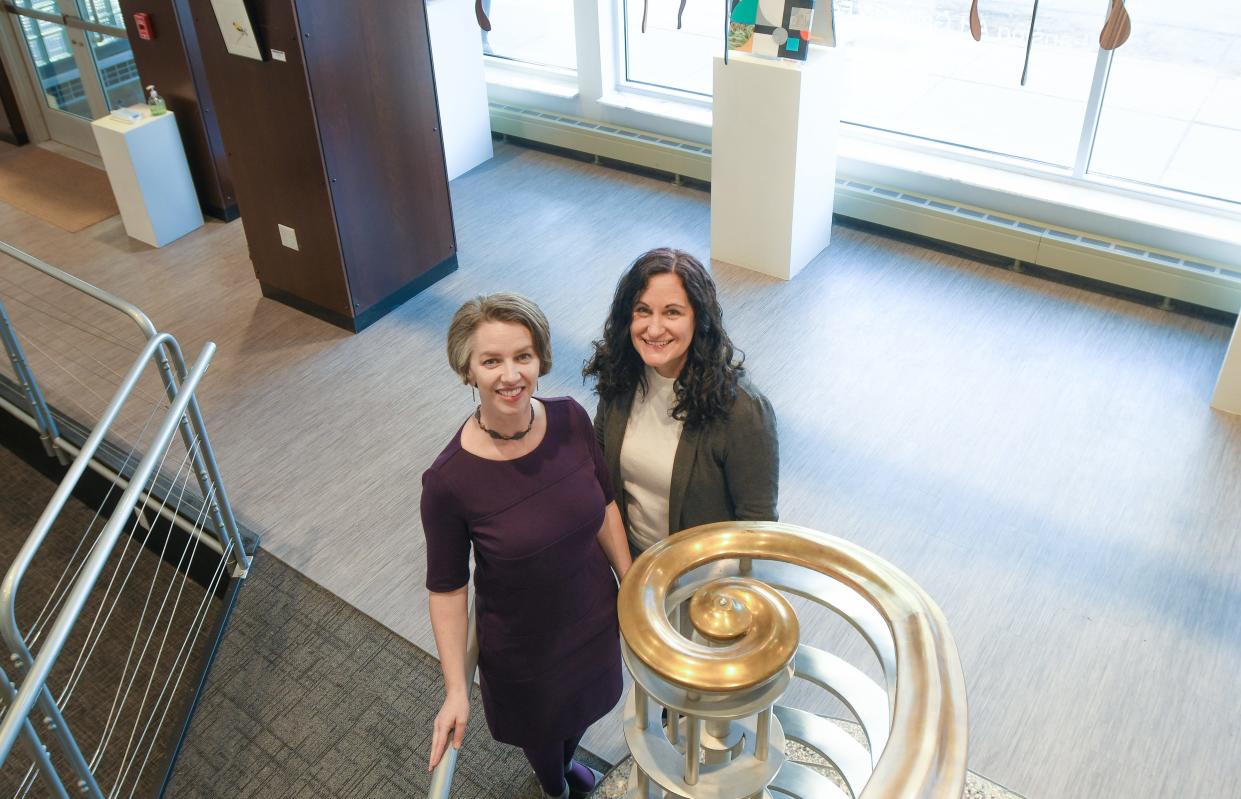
551,761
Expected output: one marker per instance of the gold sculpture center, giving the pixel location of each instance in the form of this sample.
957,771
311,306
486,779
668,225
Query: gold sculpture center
753,631
728,609
716,573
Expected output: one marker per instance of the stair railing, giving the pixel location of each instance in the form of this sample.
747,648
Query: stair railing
170,363
441,777
34,670
28,691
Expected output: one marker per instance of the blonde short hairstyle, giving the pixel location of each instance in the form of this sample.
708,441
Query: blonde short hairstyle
503,307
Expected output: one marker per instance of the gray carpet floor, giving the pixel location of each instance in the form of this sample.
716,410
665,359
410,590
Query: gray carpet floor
1041,459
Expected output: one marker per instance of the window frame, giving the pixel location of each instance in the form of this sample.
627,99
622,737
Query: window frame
602,94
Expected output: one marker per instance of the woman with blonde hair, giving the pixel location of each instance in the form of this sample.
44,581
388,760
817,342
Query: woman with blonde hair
523,484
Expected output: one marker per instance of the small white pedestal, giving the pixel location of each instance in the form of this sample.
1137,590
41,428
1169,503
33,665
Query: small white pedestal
460,85
773,161
150,177
1228,388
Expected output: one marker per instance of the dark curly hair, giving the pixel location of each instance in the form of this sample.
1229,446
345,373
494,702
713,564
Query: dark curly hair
707,385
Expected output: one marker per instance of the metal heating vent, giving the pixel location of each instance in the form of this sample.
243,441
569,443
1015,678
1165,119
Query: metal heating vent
1081,239
602,127
1122,263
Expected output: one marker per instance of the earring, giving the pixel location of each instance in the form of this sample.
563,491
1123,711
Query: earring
473,394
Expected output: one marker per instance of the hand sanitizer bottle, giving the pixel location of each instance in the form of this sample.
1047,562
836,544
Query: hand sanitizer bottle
155,102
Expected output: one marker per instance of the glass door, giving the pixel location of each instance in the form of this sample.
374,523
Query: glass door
80,62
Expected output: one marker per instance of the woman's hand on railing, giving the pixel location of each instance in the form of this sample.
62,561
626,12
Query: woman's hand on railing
449,725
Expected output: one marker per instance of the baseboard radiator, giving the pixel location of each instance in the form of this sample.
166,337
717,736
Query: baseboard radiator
1128,264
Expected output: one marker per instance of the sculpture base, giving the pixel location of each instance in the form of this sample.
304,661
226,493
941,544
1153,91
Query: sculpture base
615,784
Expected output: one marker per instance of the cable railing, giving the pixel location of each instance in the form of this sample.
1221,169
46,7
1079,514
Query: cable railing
170,365
137,584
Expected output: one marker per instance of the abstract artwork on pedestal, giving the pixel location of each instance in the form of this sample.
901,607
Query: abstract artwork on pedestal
771,28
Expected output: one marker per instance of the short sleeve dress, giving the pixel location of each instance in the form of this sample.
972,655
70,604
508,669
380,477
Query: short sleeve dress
545,596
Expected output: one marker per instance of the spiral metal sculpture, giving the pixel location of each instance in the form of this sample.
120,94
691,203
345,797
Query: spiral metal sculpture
720,668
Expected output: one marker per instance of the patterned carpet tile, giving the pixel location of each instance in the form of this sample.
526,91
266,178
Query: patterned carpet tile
309,697
126,680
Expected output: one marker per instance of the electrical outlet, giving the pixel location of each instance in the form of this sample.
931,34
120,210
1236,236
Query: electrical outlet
288,236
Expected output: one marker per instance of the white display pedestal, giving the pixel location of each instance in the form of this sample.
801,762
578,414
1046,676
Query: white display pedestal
150,177
1228,388
773,160
460,85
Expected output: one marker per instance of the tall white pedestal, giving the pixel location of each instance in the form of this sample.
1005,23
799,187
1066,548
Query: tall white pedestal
460,85
773,160
1228,388
150,178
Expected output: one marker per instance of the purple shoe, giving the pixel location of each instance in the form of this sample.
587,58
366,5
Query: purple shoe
581,779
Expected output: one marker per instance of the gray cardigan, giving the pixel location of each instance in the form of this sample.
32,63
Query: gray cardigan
725,471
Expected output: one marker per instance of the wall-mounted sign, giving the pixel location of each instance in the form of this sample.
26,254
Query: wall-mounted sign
142,24
237,28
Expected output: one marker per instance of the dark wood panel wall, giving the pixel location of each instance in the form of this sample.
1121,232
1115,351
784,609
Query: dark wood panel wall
369,63
173,63
340,141
267,119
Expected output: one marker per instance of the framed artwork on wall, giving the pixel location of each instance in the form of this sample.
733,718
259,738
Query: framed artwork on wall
237,28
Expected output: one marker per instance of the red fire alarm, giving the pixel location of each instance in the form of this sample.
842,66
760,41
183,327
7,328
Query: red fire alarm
142,21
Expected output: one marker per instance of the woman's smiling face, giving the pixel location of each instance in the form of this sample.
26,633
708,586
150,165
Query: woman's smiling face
663,324
505,367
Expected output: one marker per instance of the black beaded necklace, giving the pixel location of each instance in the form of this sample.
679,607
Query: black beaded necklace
478,417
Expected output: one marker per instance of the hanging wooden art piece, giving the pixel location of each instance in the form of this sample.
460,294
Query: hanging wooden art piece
1116,29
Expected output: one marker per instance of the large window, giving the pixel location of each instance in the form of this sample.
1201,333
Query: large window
1163,110
667,58
911,67
538,32
1172,113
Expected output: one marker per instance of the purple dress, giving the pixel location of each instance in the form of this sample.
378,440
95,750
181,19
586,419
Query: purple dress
545,596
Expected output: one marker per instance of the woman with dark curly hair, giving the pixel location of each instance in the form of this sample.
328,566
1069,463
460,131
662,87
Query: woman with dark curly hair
687,438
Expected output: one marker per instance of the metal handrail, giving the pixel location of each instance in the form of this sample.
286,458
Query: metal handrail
171,366
9,629
44,422
441,777
33,688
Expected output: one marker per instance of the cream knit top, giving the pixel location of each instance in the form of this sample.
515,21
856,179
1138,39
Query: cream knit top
650,446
